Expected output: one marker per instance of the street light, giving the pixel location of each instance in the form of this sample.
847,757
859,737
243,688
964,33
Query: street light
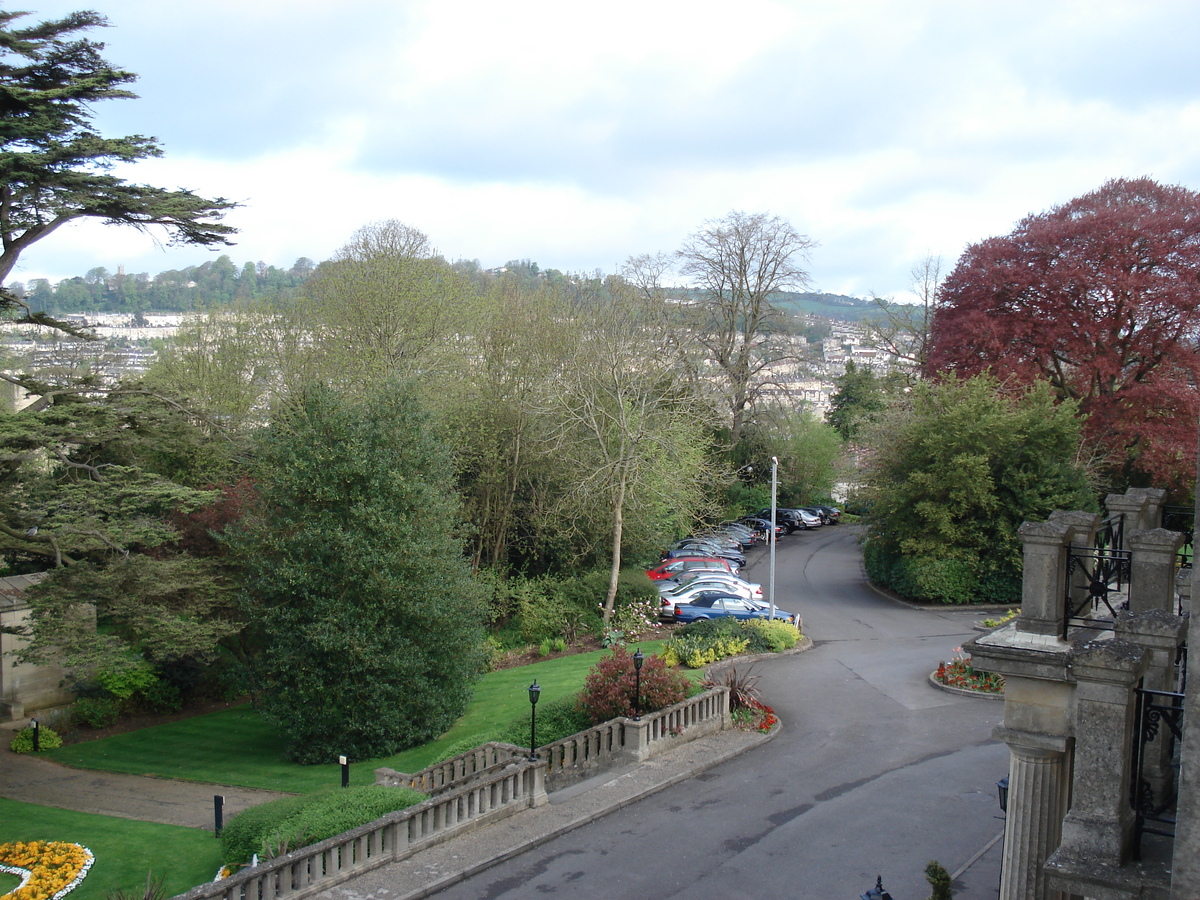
774,514
877,892
638,659
535,691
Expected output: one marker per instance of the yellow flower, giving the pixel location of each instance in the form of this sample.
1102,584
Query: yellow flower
48,869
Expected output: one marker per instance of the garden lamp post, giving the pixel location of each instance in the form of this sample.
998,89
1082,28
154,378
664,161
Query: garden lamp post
345,764
638,659
535,691
877,892
37,737
1002,793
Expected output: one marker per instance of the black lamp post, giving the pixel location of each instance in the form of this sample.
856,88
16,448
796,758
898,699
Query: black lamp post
37,737
638,659
535,691
877,892
1002,792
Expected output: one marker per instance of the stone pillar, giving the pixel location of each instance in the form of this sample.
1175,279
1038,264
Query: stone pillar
1099,827
1162,634
1185,866
1152,570
1082,542
1141,507
636,745
1037,801
1043,584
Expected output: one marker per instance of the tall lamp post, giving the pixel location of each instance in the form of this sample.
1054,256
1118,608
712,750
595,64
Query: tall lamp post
774,514
638,659
535,691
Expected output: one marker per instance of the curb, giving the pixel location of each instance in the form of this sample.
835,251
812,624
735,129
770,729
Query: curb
951,689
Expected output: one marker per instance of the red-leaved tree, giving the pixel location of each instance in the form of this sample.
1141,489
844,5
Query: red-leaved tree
1101,297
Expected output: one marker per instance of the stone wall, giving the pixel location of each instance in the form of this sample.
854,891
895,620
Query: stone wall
25,688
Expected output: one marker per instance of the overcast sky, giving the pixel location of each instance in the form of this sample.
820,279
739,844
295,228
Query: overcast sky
577,135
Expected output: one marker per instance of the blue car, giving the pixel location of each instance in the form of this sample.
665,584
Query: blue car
713,605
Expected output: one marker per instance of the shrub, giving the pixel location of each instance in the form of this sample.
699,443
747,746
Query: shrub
96,712
332,812
161,696
698,650
48,739
123,681
636,616
609,689
742,684
771,634
555,720
293,822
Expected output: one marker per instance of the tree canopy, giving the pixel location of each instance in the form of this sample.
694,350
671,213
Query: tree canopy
956,467
54,168
1097,296
354,572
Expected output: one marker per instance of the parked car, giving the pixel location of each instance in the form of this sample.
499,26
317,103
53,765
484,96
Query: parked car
788,518
763,526
717,605
744,539
737,559
675,568
729,584
831,514
809,518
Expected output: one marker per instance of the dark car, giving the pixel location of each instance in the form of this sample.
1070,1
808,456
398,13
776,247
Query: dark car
785,517
714,605
830,514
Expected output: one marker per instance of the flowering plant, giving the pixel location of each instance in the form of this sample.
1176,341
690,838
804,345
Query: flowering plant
49,870
755,716
959,673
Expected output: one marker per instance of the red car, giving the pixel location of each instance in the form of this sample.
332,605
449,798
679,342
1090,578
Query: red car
670,568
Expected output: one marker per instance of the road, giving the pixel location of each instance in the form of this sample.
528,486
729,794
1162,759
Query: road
875,771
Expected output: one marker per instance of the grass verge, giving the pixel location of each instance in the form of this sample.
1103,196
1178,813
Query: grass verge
125,850
237,747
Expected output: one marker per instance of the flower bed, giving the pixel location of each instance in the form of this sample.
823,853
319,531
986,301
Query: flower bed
755,717
48,870
959,673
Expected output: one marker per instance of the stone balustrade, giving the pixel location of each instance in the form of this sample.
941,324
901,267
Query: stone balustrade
481,786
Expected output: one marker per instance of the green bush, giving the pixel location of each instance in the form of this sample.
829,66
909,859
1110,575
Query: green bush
48,739
96,712
333,812
777,636
555,720
123,681
243,834
161,696
292,822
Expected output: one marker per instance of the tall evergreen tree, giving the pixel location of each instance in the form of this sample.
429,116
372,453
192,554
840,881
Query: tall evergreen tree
356,576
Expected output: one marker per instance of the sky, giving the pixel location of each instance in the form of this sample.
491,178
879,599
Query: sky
578,135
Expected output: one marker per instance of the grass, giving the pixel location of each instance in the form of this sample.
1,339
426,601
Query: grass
125,850
238,747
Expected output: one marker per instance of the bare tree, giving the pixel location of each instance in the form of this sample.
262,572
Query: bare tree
736,264
902,329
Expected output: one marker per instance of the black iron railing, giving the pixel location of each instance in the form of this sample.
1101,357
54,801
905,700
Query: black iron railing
1183,520
1152,788
1106,572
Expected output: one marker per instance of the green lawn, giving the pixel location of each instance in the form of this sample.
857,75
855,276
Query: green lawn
237,747
125,850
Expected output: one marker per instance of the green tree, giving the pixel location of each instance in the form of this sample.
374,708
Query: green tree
354,573
860,398
53,165
953,473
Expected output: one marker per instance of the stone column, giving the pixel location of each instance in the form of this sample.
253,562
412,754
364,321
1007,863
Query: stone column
1141,508
1037,801
1152,570
1043,584
1099,827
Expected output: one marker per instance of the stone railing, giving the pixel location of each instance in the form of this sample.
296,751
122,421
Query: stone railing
483,785
396,836
633,740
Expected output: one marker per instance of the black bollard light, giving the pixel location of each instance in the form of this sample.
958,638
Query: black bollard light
534,692
37,737
1002,793
638,659
345,764
218,813
877,892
